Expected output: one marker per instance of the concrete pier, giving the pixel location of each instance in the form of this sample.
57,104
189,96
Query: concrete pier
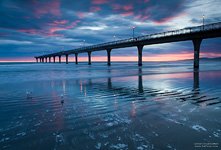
66,58
49,59
196,44
108,57
54,58
140,50
195,34
76,58
89,58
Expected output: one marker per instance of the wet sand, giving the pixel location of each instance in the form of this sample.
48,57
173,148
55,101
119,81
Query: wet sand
157,106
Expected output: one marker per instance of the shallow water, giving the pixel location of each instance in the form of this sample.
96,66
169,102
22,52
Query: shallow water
157,106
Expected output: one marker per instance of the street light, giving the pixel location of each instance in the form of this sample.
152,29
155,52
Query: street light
114,38
83,43
203,21
133,31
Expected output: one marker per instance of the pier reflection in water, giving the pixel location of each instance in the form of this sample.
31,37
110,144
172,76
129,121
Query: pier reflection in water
186,94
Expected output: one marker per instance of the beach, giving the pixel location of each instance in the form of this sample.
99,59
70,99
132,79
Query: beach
161,105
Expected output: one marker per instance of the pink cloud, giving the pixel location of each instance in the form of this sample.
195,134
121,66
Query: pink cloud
127,7
29,31
95,9
52,31
126,14
98,2
142,17
116,6
58,23
146,1
167,19
81,15
124,10
50,7
52,28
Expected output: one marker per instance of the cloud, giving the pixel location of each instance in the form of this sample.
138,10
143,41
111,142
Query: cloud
51,7
35,26
98,2
5,42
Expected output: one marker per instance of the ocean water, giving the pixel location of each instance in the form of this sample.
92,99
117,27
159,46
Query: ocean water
158,106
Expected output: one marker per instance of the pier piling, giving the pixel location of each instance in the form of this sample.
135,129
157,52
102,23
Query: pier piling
76,58
108,57
140,50
196,44
89,58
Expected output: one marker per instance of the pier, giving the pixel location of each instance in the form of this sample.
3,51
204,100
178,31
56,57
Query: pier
194,34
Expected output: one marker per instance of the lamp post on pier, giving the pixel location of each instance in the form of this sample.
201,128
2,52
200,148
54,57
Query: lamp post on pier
133,31
203,21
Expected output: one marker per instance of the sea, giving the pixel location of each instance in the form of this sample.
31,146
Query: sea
159,106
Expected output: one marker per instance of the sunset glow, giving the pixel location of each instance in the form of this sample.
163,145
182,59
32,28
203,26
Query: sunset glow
160,57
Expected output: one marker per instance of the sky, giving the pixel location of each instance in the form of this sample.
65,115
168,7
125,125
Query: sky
31,28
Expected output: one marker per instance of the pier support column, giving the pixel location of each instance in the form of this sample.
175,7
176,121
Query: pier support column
76,58
140,49
46,59
66,58
196,44
54,58
108,57
59,59
89,58
49,59
36,60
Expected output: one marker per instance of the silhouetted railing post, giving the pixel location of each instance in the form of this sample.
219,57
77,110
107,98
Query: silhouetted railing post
108,57
76,58
196,44
66,58
140,49
89,58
